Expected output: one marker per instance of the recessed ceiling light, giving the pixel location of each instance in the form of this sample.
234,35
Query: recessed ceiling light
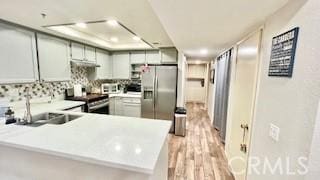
136,38
112,23
82,25
114,39
204,51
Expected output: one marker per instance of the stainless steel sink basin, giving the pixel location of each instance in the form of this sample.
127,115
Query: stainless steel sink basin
51,118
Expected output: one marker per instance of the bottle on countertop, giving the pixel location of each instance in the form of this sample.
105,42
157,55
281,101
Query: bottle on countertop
9,116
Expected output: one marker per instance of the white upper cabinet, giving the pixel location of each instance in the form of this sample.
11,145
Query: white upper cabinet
138,57
90,54
18,59
169,55
153,57
121,65
54,59
77,51
104,60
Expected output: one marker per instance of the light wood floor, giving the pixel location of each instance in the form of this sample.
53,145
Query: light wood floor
199,155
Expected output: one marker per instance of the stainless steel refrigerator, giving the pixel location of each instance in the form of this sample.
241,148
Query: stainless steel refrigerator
159,92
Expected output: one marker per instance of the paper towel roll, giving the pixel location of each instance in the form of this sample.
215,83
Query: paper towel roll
77,90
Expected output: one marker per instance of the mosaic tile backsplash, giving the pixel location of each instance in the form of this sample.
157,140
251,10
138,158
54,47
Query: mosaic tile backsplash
79,75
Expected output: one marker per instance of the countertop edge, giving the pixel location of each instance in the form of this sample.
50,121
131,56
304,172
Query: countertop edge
78,158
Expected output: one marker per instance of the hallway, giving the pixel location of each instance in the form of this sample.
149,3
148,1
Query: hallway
199,155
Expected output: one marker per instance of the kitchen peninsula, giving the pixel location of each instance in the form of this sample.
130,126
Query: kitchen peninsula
92,146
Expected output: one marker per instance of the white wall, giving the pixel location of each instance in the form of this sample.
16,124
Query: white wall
290,103
181,80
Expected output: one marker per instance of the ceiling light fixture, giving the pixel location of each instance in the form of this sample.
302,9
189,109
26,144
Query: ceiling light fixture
82,25
113,23
204,51
114,39
136,38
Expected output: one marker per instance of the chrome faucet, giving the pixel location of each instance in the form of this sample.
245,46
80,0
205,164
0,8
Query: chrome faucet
27,116
51,93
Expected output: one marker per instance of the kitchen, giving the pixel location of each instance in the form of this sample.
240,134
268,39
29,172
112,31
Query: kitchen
69,92
159,90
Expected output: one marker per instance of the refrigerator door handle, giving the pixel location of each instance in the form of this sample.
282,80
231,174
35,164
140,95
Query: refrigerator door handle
156,90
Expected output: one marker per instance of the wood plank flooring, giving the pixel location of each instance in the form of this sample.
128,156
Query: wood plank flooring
199,155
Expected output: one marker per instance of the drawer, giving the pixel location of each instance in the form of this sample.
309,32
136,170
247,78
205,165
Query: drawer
131,100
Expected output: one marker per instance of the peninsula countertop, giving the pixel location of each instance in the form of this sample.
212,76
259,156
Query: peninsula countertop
114,141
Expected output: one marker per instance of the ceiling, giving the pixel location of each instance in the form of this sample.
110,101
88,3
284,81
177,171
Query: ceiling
137,15
197,26
103,34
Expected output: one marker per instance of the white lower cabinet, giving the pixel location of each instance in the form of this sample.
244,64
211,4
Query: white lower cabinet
112,105
118,106
132,110
125,106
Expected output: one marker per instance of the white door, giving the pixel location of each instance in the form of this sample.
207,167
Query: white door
105,62
242,100
138,57
54,59
169,56
153,57
77,51
118,106
121,66
90,54
112,105
132,109
18,57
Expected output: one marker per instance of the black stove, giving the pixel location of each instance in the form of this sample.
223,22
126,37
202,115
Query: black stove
95,103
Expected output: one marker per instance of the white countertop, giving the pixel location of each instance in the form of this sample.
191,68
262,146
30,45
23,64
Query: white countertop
128,95
120,142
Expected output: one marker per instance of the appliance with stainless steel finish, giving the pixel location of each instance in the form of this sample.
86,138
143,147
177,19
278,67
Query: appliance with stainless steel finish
110,88
159,92
94,103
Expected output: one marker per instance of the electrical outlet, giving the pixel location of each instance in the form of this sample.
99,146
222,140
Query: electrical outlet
274,132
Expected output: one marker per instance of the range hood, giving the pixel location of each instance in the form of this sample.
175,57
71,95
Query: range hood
83,63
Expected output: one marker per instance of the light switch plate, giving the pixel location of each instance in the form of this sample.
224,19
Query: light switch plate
274,132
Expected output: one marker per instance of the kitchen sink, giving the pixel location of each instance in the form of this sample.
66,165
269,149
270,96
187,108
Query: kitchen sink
51,118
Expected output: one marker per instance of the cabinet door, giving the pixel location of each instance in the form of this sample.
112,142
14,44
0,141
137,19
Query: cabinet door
121,66
105,62
153,57
118,107
112,105
169,56
54,59
132,110
138,57
18,59
77,51
90,54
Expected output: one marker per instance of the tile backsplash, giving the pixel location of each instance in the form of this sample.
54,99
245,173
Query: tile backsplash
79,75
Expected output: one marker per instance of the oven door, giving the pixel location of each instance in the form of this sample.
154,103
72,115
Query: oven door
102,108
